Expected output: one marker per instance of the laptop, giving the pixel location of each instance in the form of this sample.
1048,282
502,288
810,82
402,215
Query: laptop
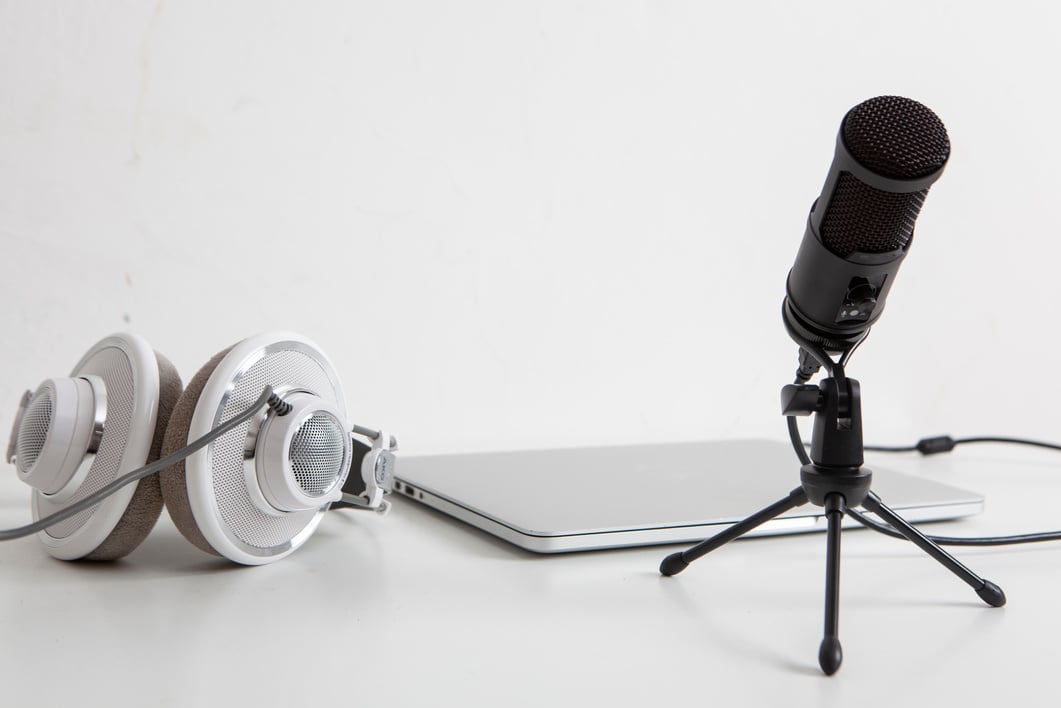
557,501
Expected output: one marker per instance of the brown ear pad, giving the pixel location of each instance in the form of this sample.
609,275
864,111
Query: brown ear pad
173,481
145,506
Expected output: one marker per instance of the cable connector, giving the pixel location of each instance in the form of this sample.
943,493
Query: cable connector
278,405
936,445
808,366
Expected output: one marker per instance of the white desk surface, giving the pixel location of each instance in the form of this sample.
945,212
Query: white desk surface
416,609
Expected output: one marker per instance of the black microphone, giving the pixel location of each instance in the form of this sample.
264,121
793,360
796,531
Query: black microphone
888,153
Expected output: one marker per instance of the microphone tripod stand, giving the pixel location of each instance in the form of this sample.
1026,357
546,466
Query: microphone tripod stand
831,477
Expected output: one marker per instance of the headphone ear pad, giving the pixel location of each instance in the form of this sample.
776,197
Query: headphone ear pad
145,506
173,480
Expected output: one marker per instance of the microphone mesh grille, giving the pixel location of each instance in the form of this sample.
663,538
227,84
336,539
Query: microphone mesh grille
33,430
896,137
317,452
893,137
868,220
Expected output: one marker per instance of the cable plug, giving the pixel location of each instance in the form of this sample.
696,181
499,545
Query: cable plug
808,366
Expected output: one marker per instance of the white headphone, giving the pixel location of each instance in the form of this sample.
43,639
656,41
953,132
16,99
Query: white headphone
252,495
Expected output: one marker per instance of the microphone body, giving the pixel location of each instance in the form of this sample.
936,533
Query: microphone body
889,151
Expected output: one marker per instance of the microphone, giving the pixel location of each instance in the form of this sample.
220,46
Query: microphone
889,151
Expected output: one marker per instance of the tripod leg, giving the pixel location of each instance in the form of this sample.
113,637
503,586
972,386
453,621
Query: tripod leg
830,653
988,591
677,562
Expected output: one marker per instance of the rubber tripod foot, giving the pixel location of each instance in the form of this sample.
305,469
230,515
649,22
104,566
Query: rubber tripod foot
992,594
673,564
830,655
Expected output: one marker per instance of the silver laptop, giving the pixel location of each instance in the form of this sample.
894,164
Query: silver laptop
555,501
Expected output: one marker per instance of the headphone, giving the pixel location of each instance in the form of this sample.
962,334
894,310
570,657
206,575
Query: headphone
253,494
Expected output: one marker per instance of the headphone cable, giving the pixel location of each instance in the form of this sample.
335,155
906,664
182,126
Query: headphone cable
268,398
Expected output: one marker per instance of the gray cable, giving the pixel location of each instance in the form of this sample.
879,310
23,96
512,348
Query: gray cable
268,398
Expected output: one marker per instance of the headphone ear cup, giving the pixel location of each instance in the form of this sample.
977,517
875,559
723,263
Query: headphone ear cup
131,391
215,496
173,480
146,504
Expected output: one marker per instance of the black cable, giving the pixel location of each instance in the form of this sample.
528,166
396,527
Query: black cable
957,540
890,448
797,444
801,452
266,399
812,356
945,443
1014,441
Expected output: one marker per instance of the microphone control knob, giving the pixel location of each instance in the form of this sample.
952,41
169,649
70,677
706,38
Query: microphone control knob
859,303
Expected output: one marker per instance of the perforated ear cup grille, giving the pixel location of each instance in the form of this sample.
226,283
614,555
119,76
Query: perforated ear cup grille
146,505
317,452
243,519
33,430
112,365
207,495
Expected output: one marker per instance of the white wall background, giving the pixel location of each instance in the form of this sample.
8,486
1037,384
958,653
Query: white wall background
525,224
